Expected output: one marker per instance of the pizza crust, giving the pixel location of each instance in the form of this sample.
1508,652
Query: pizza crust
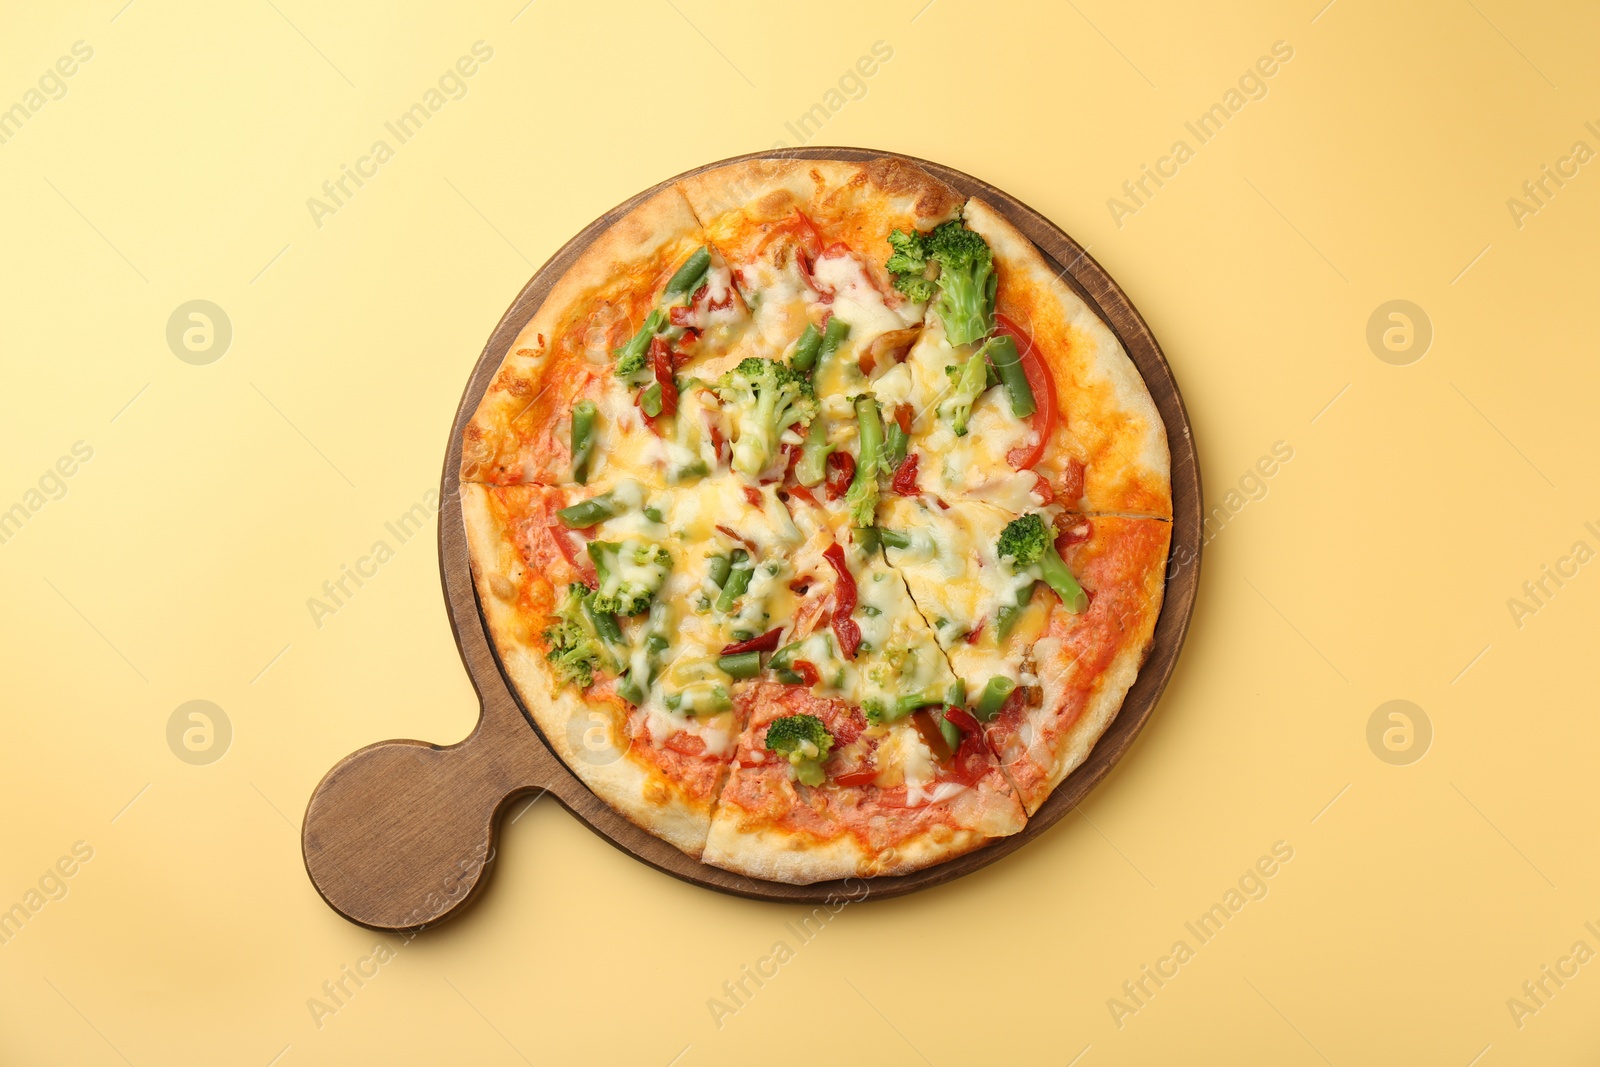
858,203
766,189
762,852
1111,422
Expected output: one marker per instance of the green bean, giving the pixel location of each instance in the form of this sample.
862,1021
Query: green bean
956,695
738,580
718,567
907,703
650,400
1008,618
741,664
832,338
804,356
993,697
894,538
1002,352
586,513
812,466
689,276
584,417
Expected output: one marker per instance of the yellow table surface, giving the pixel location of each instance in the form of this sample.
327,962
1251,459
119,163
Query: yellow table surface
1383,158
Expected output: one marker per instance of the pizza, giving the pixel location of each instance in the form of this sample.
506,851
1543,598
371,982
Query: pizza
819,525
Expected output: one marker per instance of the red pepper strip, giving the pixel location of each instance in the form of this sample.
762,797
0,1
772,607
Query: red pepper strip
791,457
807,672
864,776
1046,491
975,633
904,481
681,315
661,362
849,634
767,642
844,603
753,495
719,444
802,493
1043,419
841,471
585,568
971,760
902,416
961,719
727,301
681,347
735,535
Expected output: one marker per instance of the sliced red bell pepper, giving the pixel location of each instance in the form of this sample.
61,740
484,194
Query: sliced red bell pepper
844,603
904,481
841,472
767,642
971,761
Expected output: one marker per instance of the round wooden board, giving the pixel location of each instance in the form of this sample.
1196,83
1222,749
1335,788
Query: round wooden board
401,834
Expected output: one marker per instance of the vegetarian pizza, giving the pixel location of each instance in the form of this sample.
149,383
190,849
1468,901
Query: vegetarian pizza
819,524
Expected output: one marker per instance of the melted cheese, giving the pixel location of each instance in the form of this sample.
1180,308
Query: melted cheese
855,301
958,581
904,758
920,379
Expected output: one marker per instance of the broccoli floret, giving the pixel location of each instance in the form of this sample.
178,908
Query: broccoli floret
967,382
576,648
909,265
767,398
805,741
966,282
1029,541
629,573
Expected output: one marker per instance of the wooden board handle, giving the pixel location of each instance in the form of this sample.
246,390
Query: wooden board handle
400,834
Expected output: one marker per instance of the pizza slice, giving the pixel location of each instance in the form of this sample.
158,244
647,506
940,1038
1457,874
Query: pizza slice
619,617
807,240
1046,618
858,756
1015,385
591,382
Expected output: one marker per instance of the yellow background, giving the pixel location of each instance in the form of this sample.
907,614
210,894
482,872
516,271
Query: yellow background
1378,566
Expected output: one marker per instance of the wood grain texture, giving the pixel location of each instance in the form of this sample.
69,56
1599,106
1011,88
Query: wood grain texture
401,834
